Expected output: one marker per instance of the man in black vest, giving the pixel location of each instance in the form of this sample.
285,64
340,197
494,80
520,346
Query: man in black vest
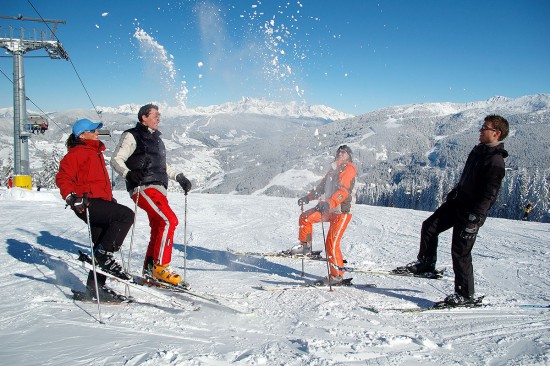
140,157
465,210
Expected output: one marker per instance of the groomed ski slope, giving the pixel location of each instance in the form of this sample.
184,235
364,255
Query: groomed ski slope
40,324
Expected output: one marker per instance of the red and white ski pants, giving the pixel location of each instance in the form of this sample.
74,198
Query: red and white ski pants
338,224
163,222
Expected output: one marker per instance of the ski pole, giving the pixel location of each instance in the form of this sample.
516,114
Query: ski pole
127,289
326,252
303,259
85,202
185,240
133,229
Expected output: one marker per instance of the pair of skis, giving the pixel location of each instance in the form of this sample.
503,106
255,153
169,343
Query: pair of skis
140,283
434,275
442,305
346,282
151,282
316,256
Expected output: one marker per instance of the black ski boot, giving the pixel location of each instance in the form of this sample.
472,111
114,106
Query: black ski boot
107,263
148,264
106,294
416,268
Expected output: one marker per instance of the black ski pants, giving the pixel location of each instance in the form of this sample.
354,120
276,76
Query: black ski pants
450,215
109,225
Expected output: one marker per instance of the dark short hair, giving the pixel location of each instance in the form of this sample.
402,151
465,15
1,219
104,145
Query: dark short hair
499,123
347,149
144,111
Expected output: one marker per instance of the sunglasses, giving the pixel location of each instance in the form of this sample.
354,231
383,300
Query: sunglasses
91,131
484,127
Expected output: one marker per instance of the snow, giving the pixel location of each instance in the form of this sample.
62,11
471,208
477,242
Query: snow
308,326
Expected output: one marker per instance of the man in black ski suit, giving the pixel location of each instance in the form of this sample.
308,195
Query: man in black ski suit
465,210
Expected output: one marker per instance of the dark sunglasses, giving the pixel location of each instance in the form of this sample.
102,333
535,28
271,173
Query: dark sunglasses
484,127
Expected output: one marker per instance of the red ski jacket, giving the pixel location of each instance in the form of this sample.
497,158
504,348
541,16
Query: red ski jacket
83,170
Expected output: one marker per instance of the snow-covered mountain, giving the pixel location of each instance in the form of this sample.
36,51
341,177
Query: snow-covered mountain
244,106
410,155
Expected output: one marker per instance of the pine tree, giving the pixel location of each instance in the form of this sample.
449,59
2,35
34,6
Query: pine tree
46,177
6,170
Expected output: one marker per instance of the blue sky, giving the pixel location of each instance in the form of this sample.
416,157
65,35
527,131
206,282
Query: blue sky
355,56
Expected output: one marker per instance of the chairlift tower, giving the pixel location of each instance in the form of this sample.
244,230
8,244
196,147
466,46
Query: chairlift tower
18,46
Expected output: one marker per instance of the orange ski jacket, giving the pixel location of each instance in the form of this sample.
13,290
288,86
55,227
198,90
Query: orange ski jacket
336,186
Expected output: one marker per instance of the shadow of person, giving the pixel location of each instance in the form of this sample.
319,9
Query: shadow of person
238,263
27,253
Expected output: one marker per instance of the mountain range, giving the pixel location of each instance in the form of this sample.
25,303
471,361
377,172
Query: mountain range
408,156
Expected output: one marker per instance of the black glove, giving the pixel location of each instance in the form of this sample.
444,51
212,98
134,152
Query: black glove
135,176
451,195
184,182
322,206
78,204
303,201
470,230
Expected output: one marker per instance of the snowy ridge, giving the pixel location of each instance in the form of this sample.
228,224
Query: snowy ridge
244,106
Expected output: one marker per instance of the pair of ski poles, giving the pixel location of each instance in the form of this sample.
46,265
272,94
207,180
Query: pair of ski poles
325,246
130,249
184,235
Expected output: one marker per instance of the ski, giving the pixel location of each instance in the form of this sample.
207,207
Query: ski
441,305
315,255
83,296
143,280
131,283
437,274
313,284
533,306
149,281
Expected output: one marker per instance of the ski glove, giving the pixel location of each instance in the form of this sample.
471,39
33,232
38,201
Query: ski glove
470,230
322,206
78,204
135,176
303,201
451,195
184,182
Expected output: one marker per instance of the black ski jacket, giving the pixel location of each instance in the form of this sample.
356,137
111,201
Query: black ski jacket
481,179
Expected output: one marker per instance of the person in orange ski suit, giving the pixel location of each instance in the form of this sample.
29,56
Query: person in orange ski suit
334,207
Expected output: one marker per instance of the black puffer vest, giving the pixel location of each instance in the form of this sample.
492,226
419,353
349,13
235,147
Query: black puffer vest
150,156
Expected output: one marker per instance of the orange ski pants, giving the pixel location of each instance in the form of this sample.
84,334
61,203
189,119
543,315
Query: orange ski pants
338,224
163,222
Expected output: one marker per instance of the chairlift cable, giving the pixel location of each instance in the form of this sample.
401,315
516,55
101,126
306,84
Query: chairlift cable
34,104
72,64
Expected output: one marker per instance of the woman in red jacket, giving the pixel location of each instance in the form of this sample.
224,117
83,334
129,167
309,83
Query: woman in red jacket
84,183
